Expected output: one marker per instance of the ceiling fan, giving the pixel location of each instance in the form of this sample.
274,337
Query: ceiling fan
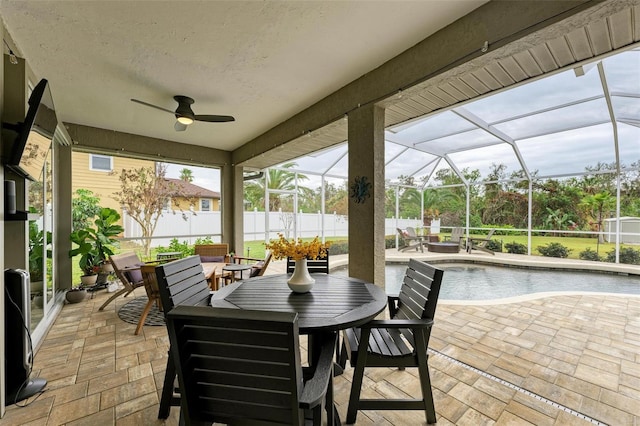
184,114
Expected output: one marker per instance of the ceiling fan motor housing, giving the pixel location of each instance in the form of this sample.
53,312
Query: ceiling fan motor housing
184,108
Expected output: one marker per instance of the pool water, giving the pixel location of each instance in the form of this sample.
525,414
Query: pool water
484,282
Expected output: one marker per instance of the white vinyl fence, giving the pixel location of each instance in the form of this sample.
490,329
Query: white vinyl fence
190,225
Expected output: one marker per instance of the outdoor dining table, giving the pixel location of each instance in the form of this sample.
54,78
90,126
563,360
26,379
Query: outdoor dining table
213,272
333,304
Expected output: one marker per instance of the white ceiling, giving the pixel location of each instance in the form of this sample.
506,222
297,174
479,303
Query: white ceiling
261,62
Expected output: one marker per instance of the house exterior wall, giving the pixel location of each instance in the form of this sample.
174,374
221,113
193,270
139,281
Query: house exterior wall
102,183
178,203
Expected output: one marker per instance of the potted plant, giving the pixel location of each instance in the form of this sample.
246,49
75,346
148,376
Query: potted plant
76,294
95,244
38,256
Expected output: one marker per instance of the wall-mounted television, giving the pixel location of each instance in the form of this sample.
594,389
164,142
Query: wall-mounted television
34,135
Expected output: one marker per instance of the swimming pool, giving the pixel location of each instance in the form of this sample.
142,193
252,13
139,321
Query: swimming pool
485,282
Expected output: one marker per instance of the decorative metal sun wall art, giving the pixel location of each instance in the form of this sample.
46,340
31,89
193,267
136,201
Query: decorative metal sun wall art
360,189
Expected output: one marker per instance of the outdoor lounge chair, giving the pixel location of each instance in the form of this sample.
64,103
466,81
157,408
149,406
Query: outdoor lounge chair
457,235
243,367
480,243
401,341
126,266
408,242
181,282
216,253
259,267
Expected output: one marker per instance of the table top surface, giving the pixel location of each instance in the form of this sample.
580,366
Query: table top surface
237,267
210,267
334,303
443,243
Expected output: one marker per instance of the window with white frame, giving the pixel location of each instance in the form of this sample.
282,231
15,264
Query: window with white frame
205,204
103,163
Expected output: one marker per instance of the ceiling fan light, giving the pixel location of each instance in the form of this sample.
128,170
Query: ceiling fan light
185,120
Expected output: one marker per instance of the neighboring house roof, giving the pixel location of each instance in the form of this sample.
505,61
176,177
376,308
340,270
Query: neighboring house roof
187,189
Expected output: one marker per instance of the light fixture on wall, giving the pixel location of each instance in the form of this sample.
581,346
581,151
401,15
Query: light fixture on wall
12,56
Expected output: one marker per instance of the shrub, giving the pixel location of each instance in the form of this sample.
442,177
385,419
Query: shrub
495,246
554,250
589,254
175,245
390,242
627,255
339,247
516,248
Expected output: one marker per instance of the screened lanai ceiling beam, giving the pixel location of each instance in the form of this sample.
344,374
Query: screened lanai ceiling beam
480,123
398,154
335,162
630,121
549,109
424,167
456,170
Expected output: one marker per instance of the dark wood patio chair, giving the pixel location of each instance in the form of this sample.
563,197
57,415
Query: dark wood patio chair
243,367
320,265
181,282
401,341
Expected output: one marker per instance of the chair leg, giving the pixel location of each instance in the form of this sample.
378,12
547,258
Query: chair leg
112,298
167,389
356,388
425,380
143,316
342,361
358,375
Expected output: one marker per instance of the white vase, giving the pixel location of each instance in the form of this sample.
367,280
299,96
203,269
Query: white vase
301,281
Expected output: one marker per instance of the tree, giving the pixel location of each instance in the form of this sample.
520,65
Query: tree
186,175
84,207
597,204
144,193
281,180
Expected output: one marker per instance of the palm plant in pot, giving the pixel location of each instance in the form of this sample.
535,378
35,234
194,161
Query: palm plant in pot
95,245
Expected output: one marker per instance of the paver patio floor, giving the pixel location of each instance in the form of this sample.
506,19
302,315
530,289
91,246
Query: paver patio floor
579,351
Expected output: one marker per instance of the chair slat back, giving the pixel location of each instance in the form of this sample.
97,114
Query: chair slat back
221,249
260,271
122,261
182,282
456,234
237,365
487,238
320,265
419,293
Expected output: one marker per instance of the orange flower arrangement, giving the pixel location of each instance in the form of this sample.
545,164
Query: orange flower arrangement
297,250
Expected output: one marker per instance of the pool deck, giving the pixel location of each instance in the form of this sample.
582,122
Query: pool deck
551,360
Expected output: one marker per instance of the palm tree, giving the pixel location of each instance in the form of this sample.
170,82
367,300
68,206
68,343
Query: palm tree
186,175
282,180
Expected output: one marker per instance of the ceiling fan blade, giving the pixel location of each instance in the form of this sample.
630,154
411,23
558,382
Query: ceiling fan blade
214,118
152,106
179,127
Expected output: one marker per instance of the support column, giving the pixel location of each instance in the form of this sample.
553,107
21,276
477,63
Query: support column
366,218
62,216
233,207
